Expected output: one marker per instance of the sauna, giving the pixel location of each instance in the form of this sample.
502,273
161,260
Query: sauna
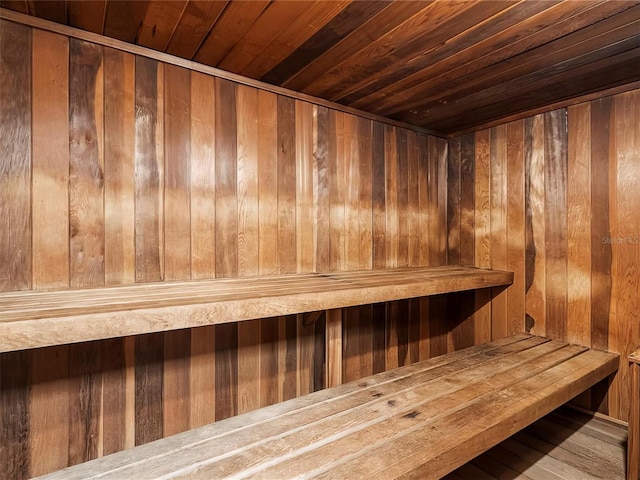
320,239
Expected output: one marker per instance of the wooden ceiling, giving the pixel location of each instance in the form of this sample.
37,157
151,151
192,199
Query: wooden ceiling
447,66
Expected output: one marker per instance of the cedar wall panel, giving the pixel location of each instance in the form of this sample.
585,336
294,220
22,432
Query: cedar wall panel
569,228
122,169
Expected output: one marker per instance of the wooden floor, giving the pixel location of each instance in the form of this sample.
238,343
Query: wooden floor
566,444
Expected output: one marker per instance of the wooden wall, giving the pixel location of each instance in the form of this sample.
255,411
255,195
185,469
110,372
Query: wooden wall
117,169
556,198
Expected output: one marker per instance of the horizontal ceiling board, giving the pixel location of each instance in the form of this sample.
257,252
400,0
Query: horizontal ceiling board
442,65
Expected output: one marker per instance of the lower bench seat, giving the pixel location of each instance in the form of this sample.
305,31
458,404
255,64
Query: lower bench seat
419,421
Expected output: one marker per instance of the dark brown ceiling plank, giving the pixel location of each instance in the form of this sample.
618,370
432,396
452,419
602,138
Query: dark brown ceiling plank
87,14
123,18
573,49
195,24
538,90
424,48
276,18
497,31
159,23
348,20
15,5
54,10
438,23
548,107
236,19
311,19
379,25
511,44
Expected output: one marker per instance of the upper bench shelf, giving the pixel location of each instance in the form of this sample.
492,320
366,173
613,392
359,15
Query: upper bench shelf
30,319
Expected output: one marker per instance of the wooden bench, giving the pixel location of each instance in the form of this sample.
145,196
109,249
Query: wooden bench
418,421
32,319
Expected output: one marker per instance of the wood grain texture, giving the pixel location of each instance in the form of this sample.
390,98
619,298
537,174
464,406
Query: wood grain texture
15,165
119,167
391,196
115,414
50,161
86,166
337,172
516,227
202,377
247,178
226,375
14,415
149,353
579,178
226,180
249,373
202,180
177,153
305,208
321,184
378,196
268,183
556,222
149,175
633,444
175,382
287,240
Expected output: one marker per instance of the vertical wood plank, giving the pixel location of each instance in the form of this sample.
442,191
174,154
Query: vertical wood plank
624,329
482,223
423,199
50,144
249,365
148,384
15,163
304,205
402,186
379,338
336,191
86,171
391,336
114,395
119,164
321,189
413,206
556,222
334,348
226,370
15,370
391,196
175,382
351,344
516,227
202,377
601,256
378,196
247,176
268,182
535,225
437,194
226,182
453,201
499,226
48,409
177,152
633,444
351,187
579,225
148,174
85,387
365,199
305,343
268,361
202,179
287,331
467,200
287,244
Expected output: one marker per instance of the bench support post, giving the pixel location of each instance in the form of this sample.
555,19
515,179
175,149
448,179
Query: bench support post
633,442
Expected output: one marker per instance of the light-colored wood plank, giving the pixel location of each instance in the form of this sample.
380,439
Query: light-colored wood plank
202,377
334,348
579,225
202,181
249,365
50,158
304,208
119,165
267,183
247,178
633,443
